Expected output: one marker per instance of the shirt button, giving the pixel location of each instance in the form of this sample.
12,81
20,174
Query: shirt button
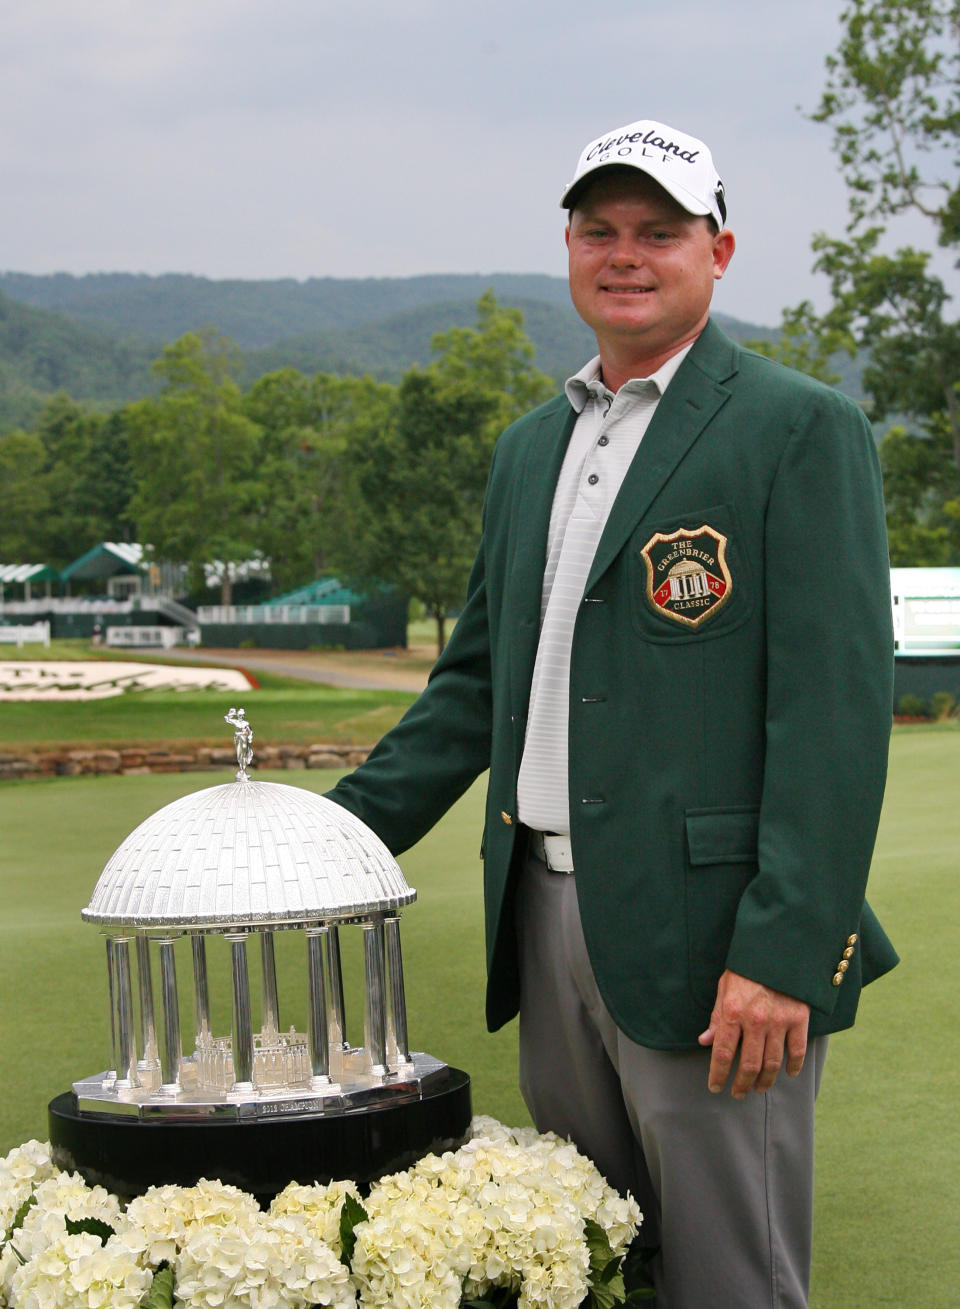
604,440
593,479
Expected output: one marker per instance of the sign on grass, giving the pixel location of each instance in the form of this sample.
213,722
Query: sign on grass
65,680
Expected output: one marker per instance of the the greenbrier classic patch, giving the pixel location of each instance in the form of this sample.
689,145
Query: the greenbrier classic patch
687,575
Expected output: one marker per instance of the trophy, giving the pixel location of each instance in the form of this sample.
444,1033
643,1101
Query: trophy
228,868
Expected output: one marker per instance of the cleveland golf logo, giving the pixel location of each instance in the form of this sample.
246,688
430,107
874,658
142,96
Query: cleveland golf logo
624,144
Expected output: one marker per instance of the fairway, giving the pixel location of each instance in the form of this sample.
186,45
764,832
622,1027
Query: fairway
889,1141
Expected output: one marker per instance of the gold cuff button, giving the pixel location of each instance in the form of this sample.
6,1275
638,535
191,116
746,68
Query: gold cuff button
852,939
849,952
843,965
837,979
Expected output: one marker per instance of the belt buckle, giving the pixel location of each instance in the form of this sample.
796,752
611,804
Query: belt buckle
554,851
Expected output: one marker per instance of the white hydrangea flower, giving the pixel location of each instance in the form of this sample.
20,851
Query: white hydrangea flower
260,1265
26,1165
321,1204
407,1256
489,1129
58,1197
21,1170
619,1216
505,1210
485,1215
534,1193
78,1272
158,1222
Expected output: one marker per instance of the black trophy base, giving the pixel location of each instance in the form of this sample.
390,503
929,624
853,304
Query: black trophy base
261,1155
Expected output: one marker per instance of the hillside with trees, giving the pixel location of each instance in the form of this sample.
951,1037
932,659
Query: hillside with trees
44,352
94,336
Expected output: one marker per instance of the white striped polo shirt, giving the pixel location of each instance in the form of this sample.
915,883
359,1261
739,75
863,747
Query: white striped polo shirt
605,439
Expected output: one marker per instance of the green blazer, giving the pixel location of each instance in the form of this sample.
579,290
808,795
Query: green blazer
730,701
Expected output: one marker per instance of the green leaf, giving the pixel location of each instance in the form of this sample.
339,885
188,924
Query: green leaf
606,1279
501,1298
92,1225
18,1219
605,1297
352,1213
160,1295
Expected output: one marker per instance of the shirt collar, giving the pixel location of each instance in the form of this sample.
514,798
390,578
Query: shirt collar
588,382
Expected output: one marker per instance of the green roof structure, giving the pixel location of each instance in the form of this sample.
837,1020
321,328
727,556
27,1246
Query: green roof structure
106,560
324,591
27,574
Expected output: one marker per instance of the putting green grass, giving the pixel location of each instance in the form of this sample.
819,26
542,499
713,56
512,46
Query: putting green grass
297,713
889,1139
888,1157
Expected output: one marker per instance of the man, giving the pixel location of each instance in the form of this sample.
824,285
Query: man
676,661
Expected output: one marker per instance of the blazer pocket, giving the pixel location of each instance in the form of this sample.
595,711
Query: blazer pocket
721,862
689,576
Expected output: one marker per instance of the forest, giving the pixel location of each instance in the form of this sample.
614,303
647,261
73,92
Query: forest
378,482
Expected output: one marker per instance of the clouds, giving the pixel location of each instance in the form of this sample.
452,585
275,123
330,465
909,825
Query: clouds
302,137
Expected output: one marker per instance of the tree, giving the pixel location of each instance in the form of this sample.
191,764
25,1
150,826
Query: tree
923,496
892,98
194,457
66,431
106,479
496,358
308,426
71,487
24,502
420,475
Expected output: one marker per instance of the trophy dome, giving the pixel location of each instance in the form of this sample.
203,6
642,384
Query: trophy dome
247,854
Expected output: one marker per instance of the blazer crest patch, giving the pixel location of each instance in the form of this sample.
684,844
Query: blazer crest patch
687,575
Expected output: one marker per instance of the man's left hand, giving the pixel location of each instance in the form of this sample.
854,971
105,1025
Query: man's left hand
763,1023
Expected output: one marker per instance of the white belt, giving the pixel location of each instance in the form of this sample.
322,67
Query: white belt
555,851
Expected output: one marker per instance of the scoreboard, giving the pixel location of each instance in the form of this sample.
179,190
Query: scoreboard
926,610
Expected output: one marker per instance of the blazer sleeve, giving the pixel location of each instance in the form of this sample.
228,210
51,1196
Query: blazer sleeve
442,743
829,705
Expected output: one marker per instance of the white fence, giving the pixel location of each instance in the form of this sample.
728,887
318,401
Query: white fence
273,614
26,633
145,638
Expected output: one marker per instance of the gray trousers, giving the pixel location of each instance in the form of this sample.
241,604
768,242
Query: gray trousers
726,1186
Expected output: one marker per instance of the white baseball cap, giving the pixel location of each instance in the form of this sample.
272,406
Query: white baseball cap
681,164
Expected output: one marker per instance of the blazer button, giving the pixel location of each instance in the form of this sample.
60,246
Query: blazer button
849,952
507,818
843,965
837,979
852,939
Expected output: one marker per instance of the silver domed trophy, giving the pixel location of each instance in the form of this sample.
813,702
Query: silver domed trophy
223,867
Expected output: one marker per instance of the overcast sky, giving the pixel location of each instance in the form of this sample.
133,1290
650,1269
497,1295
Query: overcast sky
299,138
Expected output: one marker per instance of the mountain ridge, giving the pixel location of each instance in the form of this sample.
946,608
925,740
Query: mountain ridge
94,335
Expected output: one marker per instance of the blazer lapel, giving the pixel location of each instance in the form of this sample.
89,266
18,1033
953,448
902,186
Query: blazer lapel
694,396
